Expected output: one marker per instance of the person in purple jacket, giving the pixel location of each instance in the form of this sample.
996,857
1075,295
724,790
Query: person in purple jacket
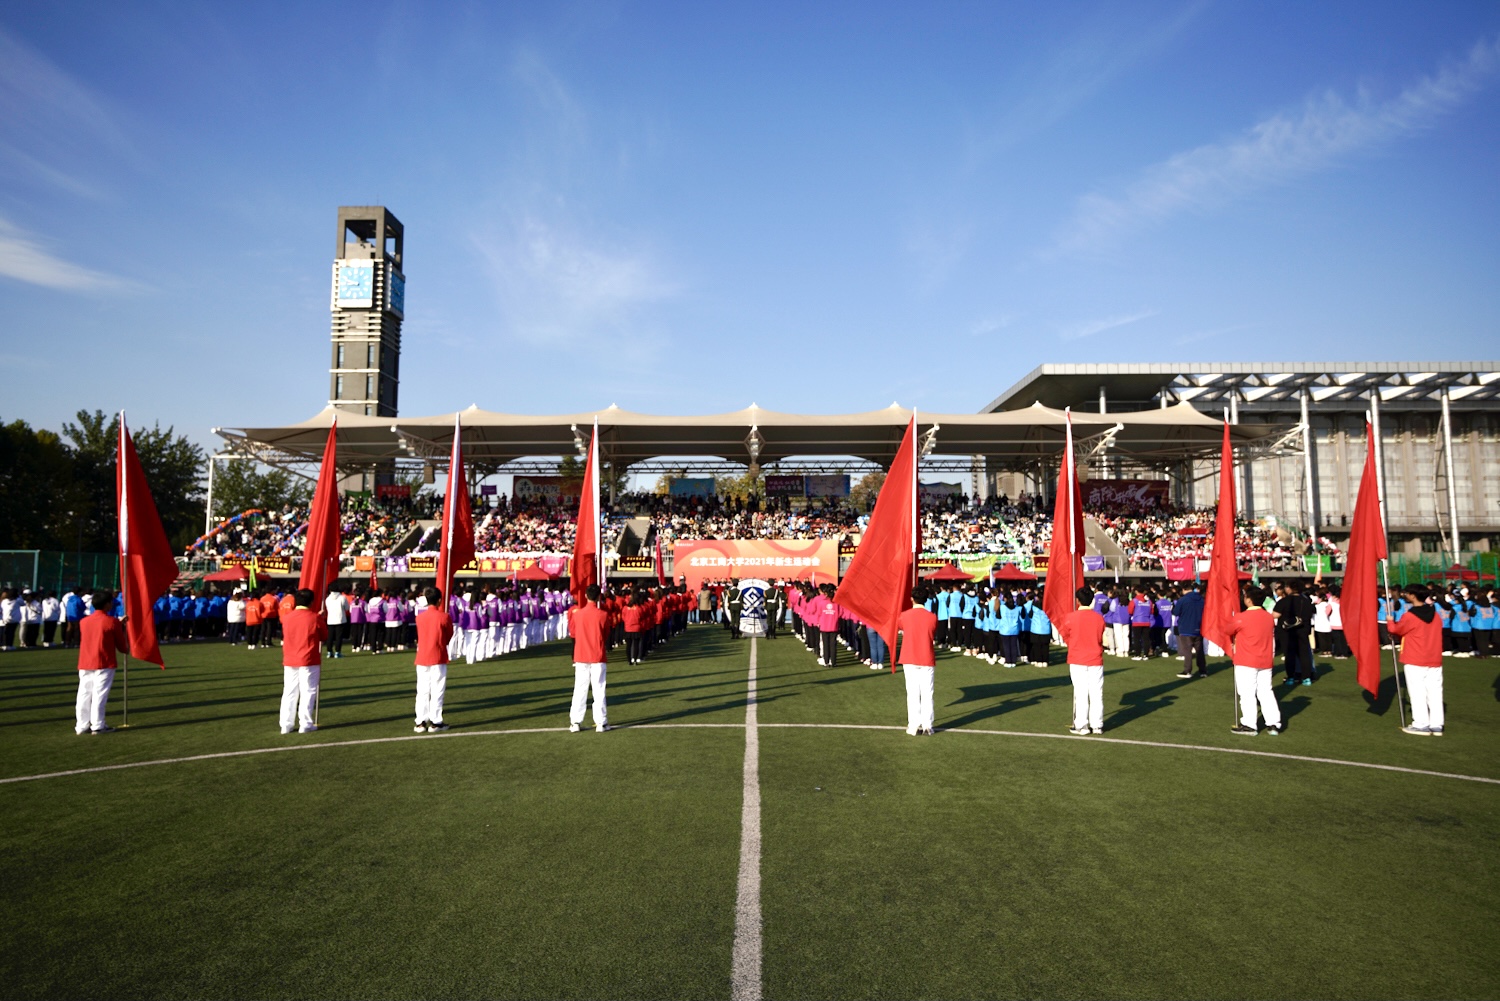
393,611
1117,617
357,620
1161,625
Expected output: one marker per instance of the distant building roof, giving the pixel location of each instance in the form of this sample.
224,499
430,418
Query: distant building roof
1136,386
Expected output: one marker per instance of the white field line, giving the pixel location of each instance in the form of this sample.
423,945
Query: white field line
740,726
745,974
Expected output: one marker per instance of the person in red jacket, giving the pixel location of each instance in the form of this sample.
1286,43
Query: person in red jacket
1083,633
1421,632
100,637
302,634
916,627
588,624
434,633
1252,634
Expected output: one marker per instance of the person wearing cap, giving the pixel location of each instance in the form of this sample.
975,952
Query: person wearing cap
302,634
101,636
589,624
1252,635
1420,631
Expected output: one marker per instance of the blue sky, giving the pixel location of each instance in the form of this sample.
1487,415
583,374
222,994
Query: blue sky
686,208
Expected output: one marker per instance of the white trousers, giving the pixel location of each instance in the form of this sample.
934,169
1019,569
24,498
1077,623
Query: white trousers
586,676
93,696
432,682
456,645
1253,686
1088,695
471,646
299,695
1425,687
919,685
1121,633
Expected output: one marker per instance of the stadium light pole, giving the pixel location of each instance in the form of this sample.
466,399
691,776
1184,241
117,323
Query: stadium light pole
1448,466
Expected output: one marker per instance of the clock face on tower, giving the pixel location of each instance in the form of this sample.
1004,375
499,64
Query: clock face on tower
354,283
396,286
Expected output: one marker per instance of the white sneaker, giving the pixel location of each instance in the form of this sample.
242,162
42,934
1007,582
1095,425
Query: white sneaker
1097,729
419,728
601,727
309,728
574,728
911,731
287,729
1079,731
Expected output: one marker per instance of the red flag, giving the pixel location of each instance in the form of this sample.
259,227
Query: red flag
320,558
878,586
147,568
456,548
1359,598
1222,599
661,570
1065,556
586,548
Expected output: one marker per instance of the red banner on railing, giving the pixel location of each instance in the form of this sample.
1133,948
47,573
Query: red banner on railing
815,560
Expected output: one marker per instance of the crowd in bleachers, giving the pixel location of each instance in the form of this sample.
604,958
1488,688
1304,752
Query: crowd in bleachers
1010,528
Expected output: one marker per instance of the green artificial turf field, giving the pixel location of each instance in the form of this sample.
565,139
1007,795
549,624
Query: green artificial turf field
999,858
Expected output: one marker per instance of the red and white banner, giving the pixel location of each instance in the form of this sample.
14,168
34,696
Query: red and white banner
793,559
1133,495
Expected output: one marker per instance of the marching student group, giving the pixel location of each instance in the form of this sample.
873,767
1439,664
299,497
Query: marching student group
996,624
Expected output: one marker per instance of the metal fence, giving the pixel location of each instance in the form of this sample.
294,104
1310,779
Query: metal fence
41,569
1429,566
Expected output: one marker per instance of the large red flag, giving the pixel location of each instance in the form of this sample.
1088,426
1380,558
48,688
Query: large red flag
1359,597
320,558
586,548
1222,600
456,548
878,586
1065,556
147,568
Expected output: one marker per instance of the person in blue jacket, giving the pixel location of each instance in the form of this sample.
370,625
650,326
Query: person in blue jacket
1486,619
1189,612
1038,632
1010,628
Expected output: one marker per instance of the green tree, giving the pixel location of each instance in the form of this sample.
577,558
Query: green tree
173,465
240,485
742,486
36,480
862,495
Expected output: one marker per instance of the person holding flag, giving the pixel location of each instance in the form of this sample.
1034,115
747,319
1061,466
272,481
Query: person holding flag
434,633
918,628
1252,648
1420,631
101,636
1082,631
302,634
589,624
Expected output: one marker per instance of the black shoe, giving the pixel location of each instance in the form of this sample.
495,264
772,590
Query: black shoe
1243,730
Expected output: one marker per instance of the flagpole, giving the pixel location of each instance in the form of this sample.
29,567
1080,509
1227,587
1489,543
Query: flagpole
594,486
124,534
916,502
1385,571
1069,474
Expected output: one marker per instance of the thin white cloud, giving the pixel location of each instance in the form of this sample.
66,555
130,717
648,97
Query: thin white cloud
1089,329
54,128
1096,55
558,286
1286,145
558,276
25,260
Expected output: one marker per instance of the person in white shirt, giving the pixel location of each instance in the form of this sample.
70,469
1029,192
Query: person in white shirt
1336,623
337,608
1322,628
234,617
51,616
10,619
31,619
